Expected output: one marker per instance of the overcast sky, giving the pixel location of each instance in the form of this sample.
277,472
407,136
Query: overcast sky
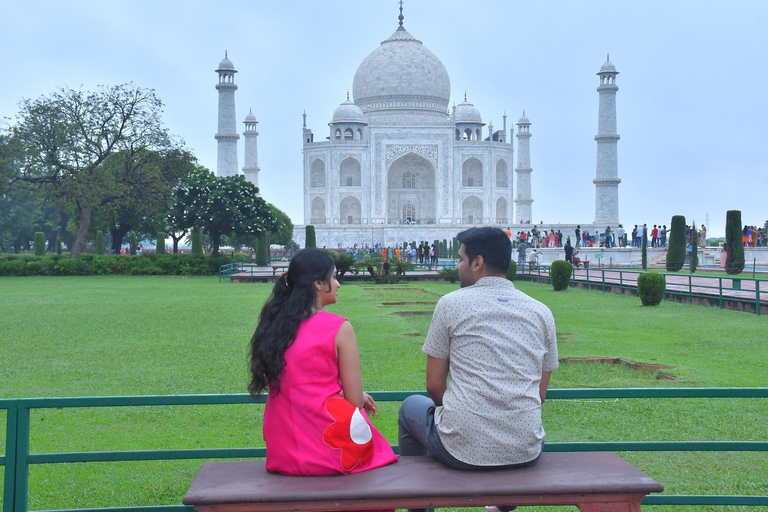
692,108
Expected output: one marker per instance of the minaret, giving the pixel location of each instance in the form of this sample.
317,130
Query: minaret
227,137
523,202
251,159
607,175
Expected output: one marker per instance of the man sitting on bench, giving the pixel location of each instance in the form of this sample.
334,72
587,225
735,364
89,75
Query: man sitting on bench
490,353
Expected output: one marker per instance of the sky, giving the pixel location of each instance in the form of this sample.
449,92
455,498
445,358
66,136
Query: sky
692,107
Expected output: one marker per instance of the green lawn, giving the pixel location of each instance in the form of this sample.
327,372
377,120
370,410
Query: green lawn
135,336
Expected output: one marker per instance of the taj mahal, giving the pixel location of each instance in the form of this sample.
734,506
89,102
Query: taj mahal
398,164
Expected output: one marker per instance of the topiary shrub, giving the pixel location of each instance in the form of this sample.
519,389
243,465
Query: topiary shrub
99,243
512,270
676,251
644,252
560,273
197,242
160,245
651,287
58,245
39,243
734,262
311,240
134,244
262,250
450,274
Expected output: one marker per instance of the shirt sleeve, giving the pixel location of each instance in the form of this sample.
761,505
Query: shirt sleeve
550,361
438,343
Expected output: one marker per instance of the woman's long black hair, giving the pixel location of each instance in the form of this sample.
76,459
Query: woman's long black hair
291,302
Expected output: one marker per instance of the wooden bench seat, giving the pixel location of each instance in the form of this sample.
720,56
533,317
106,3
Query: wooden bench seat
593,481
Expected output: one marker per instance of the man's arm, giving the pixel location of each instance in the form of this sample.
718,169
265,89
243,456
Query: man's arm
437,378
543,385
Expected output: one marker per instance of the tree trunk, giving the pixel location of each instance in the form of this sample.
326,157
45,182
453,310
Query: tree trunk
86,212
118,234
176,240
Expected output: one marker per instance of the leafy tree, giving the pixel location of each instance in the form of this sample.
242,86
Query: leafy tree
734,246
68,136
676,251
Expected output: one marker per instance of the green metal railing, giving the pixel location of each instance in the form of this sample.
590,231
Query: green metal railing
17,459
627,279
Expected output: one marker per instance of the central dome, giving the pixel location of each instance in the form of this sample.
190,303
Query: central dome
401,80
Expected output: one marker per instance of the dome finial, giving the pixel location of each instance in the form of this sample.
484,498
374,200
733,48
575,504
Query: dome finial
465,96
347,94
608,57
225,54
401,14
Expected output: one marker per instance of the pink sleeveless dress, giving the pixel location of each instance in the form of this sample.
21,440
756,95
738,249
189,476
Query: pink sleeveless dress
309,429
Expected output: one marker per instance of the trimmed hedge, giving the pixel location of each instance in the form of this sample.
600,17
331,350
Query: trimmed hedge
560,273
311,240
99,242
512,270
676,252
39,243
90,264
650,288
160,244
197,242
734,262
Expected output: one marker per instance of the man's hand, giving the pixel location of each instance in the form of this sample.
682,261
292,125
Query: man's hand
437,378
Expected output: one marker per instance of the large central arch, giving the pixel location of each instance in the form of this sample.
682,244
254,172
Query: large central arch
411,188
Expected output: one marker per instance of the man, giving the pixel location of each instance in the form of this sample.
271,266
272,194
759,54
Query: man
634,236
578,235
663,236
620,236
521,247
490,353
654,236
608,237
568,251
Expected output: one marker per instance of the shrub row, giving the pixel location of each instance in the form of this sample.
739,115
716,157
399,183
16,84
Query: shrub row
90,264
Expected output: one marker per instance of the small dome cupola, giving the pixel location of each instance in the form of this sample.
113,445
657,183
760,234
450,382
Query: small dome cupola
348,112
469,122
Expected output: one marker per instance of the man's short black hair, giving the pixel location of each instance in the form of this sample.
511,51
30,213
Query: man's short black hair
491,243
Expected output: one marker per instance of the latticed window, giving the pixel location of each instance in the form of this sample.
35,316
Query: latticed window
409,180
409,212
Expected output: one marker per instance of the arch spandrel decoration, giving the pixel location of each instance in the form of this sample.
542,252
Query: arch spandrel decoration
428,151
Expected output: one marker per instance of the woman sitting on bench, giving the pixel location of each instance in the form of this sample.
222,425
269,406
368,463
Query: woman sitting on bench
315,420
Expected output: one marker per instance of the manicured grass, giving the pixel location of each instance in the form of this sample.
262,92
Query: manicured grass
134,336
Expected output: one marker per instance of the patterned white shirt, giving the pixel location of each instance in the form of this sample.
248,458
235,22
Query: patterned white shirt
498,342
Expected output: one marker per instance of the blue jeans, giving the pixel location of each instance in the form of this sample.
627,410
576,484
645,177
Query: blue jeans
417,435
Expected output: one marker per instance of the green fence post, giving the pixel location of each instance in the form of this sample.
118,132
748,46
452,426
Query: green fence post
690,288
757,296
10,460
603,278
720,279
22,452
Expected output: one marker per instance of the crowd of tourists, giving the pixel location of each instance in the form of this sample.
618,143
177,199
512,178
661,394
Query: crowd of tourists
424,253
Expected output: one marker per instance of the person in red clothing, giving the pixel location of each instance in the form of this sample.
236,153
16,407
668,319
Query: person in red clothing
655,236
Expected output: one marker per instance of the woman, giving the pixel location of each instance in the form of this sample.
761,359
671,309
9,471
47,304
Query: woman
315,420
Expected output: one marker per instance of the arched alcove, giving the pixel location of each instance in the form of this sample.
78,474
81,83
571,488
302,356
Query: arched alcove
349,173
502,174
501,211
350,210
411,179
318,211
472,210
472,173
317,173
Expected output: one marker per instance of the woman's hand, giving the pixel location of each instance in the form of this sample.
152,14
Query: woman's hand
370,405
